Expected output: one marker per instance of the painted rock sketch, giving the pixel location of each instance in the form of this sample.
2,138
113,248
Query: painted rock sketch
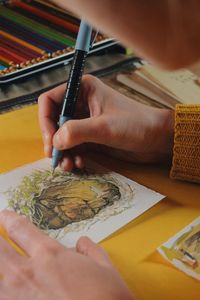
53,202
73,201
95,202
63,199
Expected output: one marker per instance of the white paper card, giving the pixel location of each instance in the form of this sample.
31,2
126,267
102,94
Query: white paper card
68,205
183,250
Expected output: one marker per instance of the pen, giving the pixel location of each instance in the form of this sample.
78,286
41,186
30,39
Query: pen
72,91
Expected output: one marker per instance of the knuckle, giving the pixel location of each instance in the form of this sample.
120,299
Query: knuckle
49,249
68,133
41,98
47,256
68,128
16,281
52,250
89,79
89,84
26,272
21,275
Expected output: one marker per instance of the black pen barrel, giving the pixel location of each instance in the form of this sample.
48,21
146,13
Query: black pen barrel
73,84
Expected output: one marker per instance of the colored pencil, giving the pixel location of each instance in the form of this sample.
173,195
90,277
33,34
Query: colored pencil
18,47
11,56
47,45
6,60
23,43
56,10
33,31
2,67
4,63
30,24
45,15
60,13
58,29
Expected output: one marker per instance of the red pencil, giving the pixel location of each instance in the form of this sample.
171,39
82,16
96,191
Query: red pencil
6,60
17,54
12,45
10,56
70,26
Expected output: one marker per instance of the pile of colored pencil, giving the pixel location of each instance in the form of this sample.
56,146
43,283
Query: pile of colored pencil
33,31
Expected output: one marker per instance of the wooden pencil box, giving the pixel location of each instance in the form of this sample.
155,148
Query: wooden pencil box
35,36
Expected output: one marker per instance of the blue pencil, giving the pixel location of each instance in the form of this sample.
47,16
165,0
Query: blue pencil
2,67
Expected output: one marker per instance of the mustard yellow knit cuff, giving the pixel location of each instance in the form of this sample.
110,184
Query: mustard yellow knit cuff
186,153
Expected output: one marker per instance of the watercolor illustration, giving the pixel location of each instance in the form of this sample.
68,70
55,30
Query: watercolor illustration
183,250
66,205
55,201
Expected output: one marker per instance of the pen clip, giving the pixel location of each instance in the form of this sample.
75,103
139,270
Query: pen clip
94,35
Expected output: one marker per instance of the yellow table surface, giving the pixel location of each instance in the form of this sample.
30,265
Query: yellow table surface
133,248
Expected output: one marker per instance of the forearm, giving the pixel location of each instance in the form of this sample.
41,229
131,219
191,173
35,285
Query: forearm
163,132
166,32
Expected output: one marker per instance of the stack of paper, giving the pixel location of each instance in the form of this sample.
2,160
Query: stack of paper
167,88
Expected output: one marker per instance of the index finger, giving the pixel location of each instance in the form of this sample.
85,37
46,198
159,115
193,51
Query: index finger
21,231
48,110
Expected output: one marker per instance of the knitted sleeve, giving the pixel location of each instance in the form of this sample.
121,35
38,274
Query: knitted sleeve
186,156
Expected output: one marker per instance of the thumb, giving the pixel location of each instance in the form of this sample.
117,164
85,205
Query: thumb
76,132
88,248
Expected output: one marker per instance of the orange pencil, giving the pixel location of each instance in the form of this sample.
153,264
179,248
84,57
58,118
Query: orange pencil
15,39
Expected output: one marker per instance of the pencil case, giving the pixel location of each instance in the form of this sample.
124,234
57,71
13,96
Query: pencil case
36,36
26,91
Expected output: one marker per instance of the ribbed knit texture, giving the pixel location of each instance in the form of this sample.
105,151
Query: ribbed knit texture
186,156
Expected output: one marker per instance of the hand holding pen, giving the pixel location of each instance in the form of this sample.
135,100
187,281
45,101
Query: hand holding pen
73,86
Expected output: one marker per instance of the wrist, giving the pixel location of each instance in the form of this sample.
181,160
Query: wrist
163,132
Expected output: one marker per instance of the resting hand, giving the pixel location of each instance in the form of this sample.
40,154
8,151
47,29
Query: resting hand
50,271
106,121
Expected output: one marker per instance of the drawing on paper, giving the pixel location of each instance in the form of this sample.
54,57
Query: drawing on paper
53,202
183,250
95,203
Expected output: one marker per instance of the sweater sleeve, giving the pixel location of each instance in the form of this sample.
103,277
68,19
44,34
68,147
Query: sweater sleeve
186,152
